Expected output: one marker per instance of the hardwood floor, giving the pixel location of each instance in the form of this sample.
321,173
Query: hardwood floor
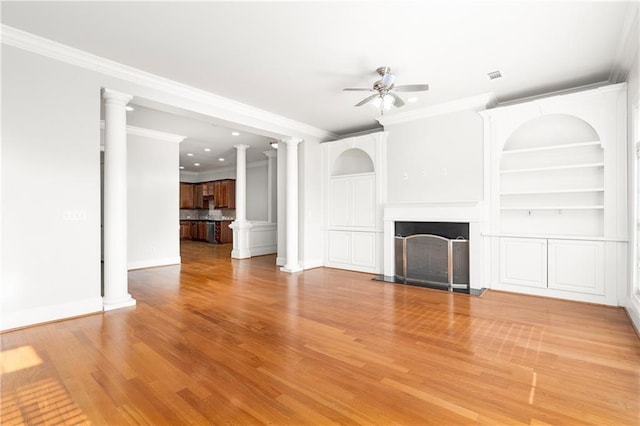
220,341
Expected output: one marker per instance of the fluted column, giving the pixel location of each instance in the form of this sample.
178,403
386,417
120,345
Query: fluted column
271,190
292,262
241,226
116,286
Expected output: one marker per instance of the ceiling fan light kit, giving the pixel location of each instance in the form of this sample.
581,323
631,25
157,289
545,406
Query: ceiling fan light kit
385,97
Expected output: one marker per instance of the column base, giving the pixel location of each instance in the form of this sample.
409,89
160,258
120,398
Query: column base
281,261
241,235
291,269
240,254
124,302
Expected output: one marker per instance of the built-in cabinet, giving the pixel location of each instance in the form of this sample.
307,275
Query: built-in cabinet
555,189
353,200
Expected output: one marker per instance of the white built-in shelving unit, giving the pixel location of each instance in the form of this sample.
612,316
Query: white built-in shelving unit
353,181
555,190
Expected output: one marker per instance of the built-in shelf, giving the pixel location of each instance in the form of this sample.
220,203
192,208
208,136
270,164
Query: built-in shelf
550,147
565,207
550,168
552,191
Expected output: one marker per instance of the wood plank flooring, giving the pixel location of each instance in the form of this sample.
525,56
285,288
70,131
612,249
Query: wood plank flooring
221,341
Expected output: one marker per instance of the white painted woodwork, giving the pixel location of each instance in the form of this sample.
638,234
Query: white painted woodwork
555,188
576,266
292,261
353,176
240,226
116,287
523,261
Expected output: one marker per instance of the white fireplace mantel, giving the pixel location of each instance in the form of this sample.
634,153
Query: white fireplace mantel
446,211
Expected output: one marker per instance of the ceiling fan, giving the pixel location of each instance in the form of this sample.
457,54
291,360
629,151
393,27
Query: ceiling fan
385,88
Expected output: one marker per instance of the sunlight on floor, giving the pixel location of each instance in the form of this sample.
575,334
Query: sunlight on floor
18,359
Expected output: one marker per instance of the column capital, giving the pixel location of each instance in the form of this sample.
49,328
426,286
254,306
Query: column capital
292,141
271,153
241,147
115,97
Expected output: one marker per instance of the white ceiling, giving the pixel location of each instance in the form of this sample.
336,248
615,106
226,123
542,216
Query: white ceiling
294,58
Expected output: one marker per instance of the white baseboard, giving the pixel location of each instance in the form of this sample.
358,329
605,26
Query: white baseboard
280,261
312,263
41,314
633,309
152,263
262,250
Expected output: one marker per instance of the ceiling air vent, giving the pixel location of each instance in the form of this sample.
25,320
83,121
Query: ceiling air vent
494,74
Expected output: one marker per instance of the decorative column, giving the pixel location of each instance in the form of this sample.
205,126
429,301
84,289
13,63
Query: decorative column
271,190
116,285
292,263
282,204
241,226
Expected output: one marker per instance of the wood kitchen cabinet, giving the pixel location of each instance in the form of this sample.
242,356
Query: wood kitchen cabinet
224,194
185,230
224,234
186,195
198,202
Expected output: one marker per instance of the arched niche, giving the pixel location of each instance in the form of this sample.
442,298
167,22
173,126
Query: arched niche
352,161
550,130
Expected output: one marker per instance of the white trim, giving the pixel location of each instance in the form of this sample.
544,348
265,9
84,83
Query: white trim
152,263
633,309
151,134
627,46
475,103
41,314
312,264
32,43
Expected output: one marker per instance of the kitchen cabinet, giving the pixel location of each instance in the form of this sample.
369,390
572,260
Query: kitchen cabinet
185,230
224,234
224,194
198,202
186,195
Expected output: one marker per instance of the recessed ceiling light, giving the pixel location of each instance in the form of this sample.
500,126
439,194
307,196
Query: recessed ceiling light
181,167
189,154
196,164
207,149
128,108
412,99
220,159
235,134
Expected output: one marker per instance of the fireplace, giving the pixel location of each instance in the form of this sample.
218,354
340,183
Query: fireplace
434,254
457,226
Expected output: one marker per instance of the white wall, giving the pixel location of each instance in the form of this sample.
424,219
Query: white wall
436,159
257,191
153,200
50,165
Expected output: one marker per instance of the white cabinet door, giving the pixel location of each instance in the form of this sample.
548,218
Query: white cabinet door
340,247
576,266
364,201
523,261
340,199
364,249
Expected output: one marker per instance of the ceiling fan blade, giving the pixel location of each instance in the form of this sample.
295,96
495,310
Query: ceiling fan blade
412,88
357,89
397,101
367,99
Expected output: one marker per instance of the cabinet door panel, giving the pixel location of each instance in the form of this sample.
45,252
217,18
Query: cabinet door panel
339,202
364,248
523,261
576,266
364,201
340,246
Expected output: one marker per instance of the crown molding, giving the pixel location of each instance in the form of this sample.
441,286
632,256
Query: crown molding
151,134
471,103
628,45
39,45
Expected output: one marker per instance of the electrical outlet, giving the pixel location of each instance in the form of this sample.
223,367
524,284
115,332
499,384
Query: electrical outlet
443,171
405,176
